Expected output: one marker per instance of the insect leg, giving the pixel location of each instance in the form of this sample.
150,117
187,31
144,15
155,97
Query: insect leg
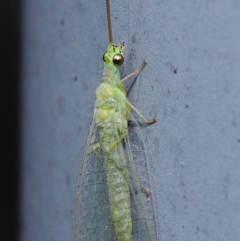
145,190
114,143
94,149
135,72
151,121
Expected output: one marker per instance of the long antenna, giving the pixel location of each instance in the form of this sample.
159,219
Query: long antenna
110,37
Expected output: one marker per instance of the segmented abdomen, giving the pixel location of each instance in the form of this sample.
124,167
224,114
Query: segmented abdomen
111,113
119,198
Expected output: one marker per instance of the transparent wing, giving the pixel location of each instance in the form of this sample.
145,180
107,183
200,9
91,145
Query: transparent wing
93,220
142,194
92,212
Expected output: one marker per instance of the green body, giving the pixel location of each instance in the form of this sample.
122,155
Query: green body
109,178
111,114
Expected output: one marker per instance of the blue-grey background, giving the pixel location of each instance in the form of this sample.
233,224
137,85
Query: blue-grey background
191,84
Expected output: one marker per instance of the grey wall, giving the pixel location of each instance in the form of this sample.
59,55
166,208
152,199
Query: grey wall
191,84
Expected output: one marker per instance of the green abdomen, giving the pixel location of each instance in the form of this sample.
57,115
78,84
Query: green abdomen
119,198
111,115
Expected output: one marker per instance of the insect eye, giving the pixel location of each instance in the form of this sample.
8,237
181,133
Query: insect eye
118,59
104,56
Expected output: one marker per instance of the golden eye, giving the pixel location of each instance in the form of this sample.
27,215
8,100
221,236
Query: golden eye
118,59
